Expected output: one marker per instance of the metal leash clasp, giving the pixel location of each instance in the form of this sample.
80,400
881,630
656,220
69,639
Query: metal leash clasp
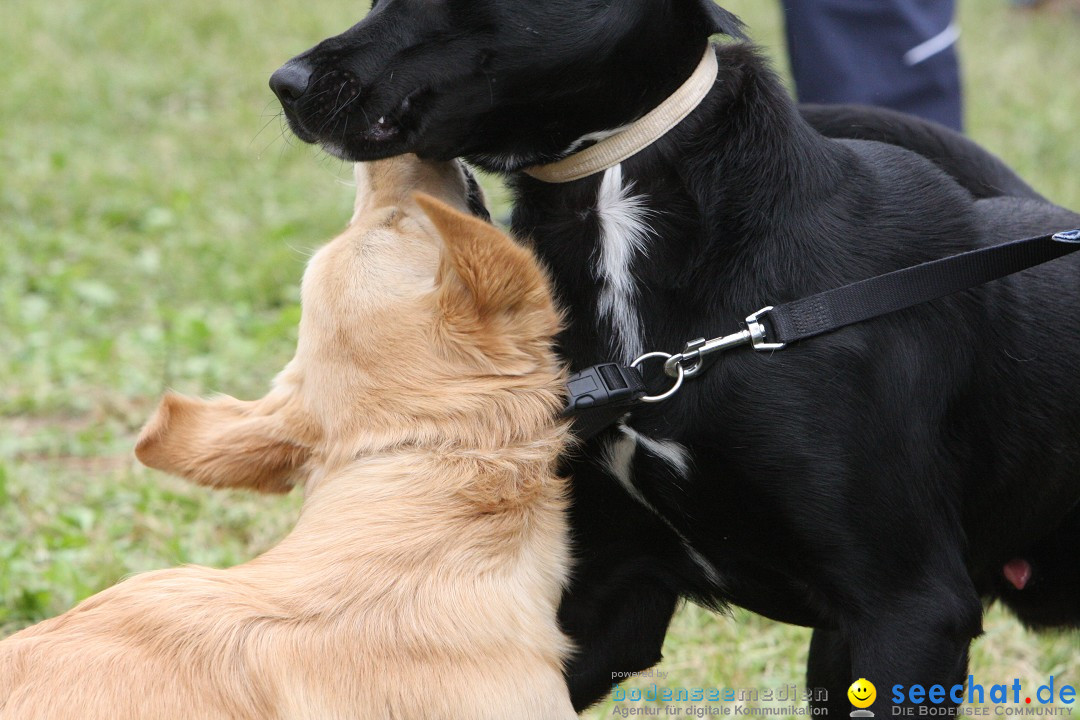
690,361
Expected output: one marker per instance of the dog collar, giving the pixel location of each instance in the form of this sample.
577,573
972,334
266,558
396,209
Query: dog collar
637,136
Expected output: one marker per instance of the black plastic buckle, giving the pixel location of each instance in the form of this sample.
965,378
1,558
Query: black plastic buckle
599,395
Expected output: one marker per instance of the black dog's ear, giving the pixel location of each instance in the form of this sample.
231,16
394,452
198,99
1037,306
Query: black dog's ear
721,21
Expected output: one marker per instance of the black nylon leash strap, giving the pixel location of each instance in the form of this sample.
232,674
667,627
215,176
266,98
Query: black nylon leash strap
599,396
901,289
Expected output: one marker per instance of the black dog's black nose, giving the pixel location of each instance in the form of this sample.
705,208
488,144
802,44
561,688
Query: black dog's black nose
290,81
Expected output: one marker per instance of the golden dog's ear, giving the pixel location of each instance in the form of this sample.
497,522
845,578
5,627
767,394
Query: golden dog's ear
494,299
494,275
225,442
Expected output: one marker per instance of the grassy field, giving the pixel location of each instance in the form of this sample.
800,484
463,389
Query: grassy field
154,223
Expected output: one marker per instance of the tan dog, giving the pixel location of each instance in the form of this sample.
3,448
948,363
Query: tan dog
423,576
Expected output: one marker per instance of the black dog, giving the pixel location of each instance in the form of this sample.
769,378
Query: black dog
872,483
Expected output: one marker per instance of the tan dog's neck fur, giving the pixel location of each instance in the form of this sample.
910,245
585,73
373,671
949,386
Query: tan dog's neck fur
423,576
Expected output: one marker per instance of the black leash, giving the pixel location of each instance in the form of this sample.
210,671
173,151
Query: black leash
600,395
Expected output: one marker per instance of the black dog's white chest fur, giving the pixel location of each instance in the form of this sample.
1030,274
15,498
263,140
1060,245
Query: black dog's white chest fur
622,243
623,236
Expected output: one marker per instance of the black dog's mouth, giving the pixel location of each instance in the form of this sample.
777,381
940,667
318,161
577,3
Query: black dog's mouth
336,118
393,125
384,130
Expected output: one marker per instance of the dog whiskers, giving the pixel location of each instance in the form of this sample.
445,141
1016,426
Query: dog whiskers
305,253
280,115
333,113
341,109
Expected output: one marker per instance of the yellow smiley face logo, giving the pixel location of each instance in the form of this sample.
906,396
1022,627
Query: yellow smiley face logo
862,693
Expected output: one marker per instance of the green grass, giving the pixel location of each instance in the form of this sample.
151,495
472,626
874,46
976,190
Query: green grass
154,224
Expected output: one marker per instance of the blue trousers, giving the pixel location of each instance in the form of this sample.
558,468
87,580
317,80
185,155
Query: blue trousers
899,54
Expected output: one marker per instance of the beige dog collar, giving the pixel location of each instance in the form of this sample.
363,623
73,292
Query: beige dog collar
637,136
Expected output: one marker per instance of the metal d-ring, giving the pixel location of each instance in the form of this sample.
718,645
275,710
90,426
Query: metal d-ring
678,378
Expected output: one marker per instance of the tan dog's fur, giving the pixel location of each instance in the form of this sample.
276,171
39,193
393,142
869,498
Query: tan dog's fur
423,576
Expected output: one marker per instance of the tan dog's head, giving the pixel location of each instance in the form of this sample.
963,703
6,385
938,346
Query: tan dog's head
421,325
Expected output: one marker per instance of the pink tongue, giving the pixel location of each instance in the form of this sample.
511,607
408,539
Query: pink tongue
1018,572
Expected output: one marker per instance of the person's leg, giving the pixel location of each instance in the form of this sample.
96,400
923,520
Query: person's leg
899,54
